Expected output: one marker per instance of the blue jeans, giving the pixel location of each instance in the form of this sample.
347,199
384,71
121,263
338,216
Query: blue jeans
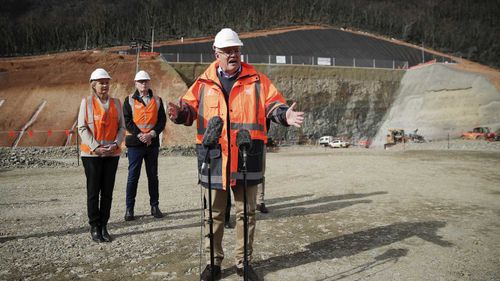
135,157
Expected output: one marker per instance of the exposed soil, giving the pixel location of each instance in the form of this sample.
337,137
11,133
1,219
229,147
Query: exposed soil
422,213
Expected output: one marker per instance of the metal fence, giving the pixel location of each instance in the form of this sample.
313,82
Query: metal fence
294,60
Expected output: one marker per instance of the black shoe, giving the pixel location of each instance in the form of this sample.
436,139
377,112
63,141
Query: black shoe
155,212
262,208
105,234
251,275
129,215
206,275
95,232
228,224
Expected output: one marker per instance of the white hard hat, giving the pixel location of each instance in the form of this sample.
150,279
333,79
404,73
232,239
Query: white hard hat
99,73
227,38
142,75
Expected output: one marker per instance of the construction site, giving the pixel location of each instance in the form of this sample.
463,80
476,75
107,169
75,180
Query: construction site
412,195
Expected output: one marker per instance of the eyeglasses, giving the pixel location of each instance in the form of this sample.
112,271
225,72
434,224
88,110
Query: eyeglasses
230,52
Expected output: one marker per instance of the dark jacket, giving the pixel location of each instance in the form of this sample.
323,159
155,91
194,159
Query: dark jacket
132,130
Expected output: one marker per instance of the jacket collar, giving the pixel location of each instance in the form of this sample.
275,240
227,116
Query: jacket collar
137,95
211,72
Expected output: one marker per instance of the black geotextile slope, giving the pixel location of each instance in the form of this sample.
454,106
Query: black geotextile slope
333,43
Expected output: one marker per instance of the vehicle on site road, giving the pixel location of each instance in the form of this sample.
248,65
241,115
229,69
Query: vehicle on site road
325,140
339,144
479,133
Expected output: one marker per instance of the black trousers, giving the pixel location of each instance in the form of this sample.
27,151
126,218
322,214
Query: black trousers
100,172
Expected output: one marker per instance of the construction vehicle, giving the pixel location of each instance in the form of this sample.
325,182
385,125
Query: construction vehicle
395,136
414,137
479,133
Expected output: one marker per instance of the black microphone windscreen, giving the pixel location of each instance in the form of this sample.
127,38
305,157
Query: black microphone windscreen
214,129
243,139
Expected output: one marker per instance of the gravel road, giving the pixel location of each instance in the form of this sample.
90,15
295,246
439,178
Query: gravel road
419,213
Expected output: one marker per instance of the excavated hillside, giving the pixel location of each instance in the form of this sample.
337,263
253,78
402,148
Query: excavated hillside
48,90
40,96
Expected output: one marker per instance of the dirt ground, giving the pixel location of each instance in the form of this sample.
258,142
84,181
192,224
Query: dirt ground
343,214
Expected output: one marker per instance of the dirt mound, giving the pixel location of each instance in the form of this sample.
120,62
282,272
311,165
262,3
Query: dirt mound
441,99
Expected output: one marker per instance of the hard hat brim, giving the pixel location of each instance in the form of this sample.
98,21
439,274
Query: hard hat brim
226,45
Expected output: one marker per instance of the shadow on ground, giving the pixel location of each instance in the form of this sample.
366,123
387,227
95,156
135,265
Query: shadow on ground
280,207
353,244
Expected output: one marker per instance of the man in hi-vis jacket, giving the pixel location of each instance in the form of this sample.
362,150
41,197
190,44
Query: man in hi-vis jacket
145,119
243,98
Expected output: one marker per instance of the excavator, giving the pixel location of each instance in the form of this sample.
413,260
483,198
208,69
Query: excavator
395,136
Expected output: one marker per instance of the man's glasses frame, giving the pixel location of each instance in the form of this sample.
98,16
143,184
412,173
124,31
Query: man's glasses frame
228,53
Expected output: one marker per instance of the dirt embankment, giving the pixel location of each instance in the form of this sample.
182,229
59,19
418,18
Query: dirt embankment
61,81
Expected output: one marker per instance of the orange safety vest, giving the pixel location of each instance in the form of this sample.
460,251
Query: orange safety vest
252,98
103,124
145,117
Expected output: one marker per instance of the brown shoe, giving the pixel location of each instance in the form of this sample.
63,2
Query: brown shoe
251,275
228,224
206,275
262,208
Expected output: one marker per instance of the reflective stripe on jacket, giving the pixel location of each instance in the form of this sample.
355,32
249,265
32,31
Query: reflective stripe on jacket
144,116
102,123
252,98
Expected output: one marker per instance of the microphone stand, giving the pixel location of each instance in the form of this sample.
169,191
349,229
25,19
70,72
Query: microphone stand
245,216
210,219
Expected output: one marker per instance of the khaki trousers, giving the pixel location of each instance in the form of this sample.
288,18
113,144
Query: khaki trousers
219,202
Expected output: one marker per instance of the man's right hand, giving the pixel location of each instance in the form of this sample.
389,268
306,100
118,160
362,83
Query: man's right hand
173,111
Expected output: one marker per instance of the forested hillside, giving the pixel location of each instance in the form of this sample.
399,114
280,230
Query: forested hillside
464,28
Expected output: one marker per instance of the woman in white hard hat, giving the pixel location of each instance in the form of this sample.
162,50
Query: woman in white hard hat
101,127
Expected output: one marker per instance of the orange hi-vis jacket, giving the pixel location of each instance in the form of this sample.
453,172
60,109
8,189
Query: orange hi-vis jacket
252,99
145,117
103,124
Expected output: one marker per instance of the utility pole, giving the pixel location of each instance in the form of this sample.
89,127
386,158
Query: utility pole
86,40
138,45
423,57
152,37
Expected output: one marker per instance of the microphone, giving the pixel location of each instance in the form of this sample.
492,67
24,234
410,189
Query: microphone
243,140
212,134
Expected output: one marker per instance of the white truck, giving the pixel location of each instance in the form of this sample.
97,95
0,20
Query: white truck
325,140
339,144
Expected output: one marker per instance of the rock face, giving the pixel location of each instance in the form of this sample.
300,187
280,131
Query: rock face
343,102
439,100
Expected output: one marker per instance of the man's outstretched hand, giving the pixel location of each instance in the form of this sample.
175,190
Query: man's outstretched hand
294,118
173,111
